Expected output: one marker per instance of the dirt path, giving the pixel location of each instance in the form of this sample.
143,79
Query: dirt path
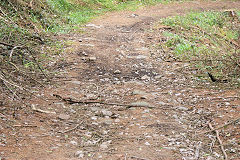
115,62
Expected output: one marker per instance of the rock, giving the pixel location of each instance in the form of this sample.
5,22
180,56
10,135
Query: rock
93,25
92,58
142,49
91,96
158,77
146,111
73,143
145,77
79,154
117,120
94,118
106,113
63,116
88,45
117,72
175,116
147,143
133,15
138,92
162,103
105,145
138,57
75,82
95,109
108,122
182,108
144,97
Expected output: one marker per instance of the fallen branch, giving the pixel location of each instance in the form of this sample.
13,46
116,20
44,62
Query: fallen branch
11,53
6,44
69,130
25,74
24,126
219,140
40,110
71,101
220,126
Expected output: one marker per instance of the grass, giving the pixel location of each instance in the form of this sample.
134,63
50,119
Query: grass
27,36
207,39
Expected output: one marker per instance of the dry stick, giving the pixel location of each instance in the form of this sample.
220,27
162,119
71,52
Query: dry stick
219,140
11,53
15,9
11,90
6,15
3,79
220,126
39,66
71,101
69,130
26,74
6,44
195,60
24,126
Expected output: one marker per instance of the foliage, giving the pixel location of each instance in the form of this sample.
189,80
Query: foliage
209,40
26,25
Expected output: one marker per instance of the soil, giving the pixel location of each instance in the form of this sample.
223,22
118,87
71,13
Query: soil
114,63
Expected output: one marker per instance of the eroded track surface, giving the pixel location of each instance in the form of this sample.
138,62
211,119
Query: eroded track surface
115,61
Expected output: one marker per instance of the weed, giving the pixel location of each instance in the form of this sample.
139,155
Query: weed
207,39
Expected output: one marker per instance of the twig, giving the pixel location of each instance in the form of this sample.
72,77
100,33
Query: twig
219,140
6,44
220,126
195,60
197,150
69,130
135,157
3,79
42,111
39,66
11,91
24,126
15,9
11,53
71,101
26,74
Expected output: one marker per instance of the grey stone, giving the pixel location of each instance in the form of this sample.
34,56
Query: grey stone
142,49
63,116
76,82
92,58
182,108
91,96
117,72
145,77
106,113
158,77
79,154
94,109
138,92
73,142
105,145
93,25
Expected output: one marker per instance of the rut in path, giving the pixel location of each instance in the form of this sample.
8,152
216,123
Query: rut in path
113,63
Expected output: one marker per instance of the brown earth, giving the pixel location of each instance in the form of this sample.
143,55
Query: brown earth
115,61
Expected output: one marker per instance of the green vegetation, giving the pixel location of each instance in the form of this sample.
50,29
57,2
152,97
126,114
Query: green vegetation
76,12
209,40
27,43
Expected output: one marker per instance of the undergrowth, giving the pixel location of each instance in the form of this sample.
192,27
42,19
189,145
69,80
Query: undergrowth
208,40
27,30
